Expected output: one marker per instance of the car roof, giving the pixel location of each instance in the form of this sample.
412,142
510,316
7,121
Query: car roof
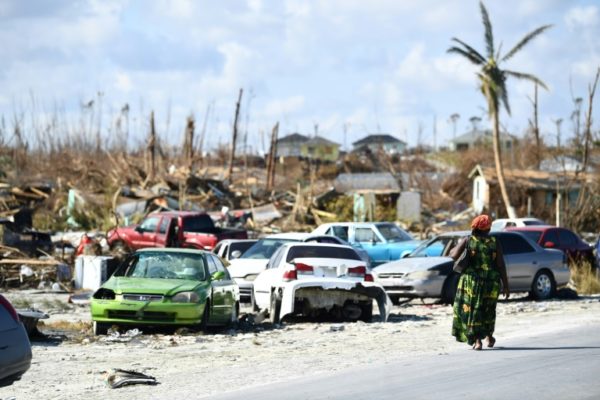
172,250
304,244
225,241
538,228
288,235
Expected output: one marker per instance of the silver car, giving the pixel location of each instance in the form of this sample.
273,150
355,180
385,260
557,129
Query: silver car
530,268
15,349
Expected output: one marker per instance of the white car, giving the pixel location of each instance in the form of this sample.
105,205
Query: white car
230,249
308,278
245,268
502,223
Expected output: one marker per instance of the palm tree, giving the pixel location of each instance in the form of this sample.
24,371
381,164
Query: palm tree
492,82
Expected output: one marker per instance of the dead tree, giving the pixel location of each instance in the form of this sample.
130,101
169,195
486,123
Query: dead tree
588,122
203,135
235,134
188,142
271,158
535,127
151,151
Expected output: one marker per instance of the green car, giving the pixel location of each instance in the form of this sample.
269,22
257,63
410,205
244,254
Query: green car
173,287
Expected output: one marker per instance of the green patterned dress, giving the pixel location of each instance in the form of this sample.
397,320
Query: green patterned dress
477,292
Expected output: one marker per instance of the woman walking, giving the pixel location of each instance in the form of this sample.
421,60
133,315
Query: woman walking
479,285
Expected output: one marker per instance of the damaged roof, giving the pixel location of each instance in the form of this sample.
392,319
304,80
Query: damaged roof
380,183
529,179
377,138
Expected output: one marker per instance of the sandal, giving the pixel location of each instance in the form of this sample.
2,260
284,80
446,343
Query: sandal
477,345
491,341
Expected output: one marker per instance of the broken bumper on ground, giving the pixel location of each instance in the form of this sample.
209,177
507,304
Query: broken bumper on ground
334,293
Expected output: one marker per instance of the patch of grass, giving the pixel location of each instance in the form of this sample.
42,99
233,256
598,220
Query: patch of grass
21,303
67,326
585,278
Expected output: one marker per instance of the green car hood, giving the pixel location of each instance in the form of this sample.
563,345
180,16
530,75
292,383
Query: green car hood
166,287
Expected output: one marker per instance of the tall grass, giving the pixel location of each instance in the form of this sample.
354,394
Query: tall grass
585,278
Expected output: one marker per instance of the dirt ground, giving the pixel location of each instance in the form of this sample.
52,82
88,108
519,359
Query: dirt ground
75,365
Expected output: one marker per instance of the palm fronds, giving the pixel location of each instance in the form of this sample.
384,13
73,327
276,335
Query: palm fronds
529,77
470,49
525,40
489,36
474,59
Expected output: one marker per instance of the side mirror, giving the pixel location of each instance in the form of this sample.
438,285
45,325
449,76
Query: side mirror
235,254
139,229
217,276
405,254
549,245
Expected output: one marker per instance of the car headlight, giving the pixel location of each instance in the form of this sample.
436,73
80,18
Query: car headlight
422,274
186,297
250,277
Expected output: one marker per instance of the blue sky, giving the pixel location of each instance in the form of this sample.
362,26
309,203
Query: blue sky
333,66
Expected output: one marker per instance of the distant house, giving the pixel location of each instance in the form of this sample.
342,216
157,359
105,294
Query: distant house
290,145
479,138
532,193
377,142
316,148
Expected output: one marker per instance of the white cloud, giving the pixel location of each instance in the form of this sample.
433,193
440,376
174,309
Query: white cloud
582,17
281,107
123,82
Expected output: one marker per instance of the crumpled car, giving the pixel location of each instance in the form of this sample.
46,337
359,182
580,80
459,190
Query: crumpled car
15,349
167,287
311,278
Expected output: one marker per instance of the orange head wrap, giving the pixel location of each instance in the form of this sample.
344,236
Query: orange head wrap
482,222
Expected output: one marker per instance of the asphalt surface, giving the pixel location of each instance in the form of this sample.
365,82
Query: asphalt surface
562,365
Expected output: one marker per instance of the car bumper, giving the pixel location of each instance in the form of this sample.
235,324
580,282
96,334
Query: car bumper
15,353
366,290
146,313
412,288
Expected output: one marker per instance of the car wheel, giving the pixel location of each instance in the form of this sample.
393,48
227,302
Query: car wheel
120,248
100,328
449,290
366,314
253,302
205,316
275,308
543,286
235,312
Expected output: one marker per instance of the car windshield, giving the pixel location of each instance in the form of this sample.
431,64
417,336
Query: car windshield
438,246
163,265
392,233
533,235
240,246
265,248
198,223
321,252
533,222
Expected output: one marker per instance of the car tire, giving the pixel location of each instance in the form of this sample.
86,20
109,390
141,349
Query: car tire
253,302
543,286
449,289
205,316
100,328
235,313
366,314
119,247
275,308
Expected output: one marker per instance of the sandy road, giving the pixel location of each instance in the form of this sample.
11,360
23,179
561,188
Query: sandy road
198,365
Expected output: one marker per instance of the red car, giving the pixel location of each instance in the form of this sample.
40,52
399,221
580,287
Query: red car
553,237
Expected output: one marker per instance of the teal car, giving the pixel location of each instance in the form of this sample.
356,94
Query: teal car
167,287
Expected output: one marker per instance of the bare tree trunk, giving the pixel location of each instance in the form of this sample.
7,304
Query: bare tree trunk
235,133
588,122
510,211
188,143
203,135
271,158
151,151
536,130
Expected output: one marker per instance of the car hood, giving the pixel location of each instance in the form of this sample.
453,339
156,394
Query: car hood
407,265
241,267
165,287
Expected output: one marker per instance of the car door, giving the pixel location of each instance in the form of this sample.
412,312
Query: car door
268,279
369,240
568,243
147,231
218,292
521,260
161,233
227,286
